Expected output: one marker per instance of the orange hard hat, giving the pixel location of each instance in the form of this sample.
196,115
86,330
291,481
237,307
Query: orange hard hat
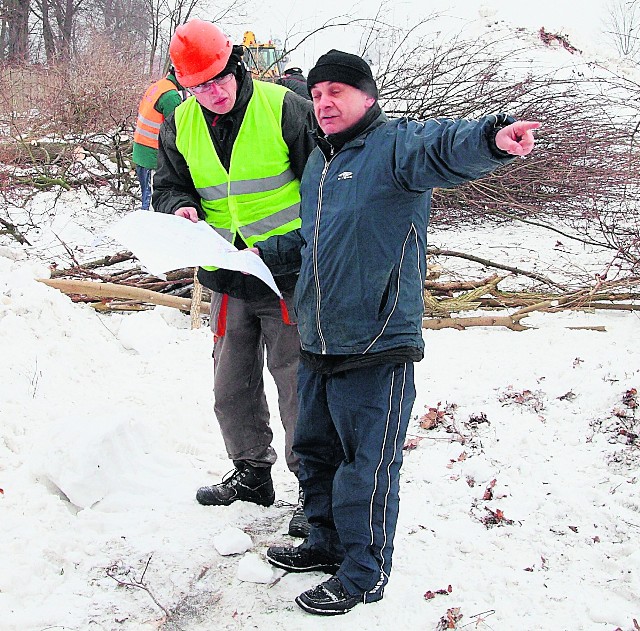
199,51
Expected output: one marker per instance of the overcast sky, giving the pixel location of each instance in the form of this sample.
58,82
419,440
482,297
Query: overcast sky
582,21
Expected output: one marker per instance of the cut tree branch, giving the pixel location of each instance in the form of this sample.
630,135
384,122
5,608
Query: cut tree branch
487,263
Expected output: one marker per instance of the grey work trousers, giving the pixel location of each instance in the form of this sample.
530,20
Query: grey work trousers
243,331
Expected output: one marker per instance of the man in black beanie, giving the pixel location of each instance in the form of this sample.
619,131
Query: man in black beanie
366,195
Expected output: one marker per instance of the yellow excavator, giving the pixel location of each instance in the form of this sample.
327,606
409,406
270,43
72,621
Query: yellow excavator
264,60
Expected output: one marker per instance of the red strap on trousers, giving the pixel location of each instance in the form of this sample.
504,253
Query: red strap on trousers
221,325
285,312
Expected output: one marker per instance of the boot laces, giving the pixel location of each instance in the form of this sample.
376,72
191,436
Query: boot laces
237,477
231,477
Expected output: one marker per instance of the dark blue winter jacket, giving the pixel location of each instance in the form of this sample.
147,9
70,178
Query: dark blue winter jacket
363,238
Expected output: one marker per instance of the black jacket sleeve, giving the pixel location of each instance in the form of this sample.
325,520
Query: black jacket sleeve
282,253
298,124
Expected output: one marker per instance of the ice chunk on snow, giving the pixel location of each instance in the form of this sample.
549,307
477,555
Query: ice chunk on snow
146,333
252,569
89,456
232,541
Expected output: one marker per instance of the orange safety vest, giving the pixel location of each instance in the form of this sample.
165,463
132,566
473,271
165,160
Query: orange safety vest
149,119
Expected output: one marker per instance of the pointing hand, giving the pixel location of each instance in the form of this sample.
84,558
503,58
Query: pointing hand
517,138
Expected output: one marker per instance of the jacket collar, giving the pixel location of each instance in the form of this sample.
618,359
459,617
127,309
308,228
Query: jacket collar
243,94
353,136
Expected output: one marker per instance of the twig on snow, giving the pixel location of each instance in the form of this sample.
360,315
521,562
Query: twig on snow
139,583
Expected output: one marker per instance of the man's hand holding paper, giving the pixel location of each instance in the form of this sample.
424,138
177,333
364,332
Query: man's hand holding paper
164,242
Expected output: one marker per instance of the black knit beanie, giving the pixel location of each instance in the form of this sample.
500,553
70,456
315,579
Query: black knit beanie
343,68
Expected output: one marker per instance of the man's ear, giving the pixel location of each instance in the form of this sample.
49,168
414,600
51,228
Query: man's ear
369,102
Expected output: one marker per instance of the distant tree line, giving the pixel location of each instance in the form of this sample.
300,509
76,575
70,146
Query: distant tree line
55,31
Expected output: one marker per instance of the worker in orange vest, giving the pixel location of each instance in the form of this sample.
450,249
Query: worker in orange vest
159,100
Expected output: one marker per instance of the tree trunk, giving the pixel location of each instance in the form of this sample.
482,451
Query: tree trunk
16,14
65,12
48,37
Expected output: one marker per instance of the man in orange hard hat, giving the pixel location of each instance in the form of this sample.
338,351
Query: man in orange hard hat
232,155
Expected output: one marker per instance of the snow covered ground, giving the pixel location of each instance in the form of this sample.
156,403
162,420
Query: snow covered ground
528,507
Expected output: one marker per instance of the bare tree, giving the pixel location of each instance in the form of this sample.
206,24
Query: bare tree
58,19
123,21
15,30
623,22
164,16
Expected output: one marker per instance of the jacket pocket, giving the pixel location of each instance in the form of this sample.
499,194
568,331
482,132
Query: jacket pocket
389,293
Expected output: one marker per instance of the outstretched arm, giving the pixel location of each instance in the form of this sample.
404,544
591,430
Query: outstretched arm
517,139
446,152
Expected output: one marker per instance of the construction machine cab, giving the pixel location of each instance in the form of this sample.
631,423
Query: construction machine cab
264,60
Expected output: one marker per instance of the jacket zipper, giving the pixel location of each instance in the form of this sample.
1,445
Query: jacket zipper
323,344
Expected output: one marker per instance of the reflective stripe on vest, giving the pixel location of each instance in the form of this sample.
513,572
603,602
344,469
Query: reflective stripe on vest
262,185
272,222
149,119
260,195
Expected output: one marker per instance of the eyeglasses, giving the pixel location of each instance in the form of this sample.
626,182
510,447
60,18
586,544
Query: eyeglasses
204,87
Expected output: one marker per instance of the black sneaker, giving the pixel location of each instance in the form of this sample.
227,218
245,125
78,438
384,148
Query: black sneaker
245,483
301,559
299,526
328,599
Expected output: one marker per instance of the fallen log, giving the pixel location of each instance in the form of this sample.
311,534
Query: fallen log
467,301
504,303
464,323
105,261
622,306
451,286
125,292
510,321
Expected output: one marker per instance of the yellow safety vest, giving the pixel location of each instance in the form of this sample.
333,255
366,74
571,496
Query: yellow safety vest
259,196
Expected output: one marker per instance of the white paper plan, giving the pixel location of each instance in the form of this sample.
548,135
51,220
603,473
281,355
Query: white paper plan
163,242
